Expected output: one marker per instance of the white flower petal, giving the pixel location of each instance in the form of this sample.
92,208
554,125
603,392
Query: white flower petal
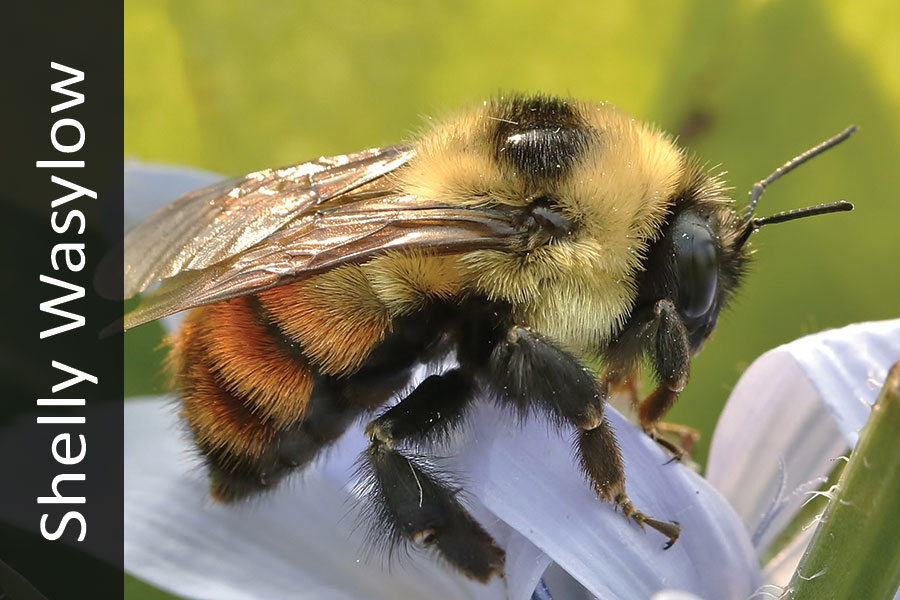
781,568
772,438
525,562
149,187
791,415
299,541
674,595
528,477
848,367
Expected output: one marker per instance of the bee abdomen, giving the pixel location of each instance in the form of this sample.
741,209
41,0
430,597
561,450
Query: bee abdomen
335,319
220,421
271,378
246,369
241,389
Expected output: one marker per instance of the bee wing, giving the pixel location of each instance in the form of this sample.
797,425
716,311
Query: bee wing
347,228
218,222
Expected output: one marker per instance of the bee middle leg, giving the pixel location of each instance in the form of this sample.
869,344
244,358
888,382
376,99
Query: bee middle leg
410,500
532,373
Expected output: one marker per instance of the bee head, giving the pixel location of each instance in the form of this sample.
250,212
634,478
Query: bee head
698,261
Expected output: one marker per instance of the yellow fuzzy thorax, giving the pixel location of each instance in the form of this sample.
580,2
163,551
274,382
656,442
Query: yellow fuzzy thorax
577,290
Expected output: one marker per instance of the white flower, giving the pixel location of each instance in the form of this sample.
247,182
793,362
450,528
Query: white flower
795,410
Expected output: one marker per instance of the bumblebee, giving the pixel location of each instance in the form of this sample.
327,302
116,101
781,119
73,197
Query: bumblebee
526,238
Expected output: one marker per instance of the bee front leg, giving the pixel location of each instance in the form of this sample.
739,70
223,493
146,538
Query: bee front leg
410,500
671,360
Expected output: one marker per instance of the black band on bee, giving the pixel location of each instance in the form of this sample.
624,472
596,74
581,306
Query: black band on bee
233,482
261,314
538,137
333,406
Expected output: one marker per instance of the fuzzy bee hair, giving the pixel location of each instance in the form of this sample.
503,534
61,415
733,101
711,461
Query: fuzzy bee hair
526,237
610,180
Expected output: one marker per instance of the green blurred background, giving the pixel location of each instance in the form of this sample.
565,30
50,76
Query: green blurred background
237,86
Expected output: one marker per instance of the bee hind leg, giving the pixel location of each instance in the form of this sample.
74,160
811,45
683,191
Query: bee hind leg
409,500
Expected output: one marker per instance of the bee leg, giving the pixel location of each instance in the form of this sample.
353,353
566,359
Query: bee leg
328,414
411,501
650,412
671,359
658,332
533,373
601,461
686,435
629,386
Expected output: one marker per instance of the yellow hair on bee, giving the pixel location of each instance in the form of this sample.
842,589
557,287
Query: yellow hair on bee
336,317
577,290
586,305
624,184
453,164
514,278
405,281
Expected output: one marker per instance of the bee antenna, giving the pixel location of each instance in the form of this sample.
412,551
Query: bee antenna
760,186
790,215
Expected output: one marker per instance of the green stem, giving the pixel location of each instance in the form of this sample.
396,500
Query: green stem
855,551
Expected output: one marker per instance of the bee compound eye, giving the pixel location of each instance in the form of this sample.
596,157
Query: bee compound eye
696,264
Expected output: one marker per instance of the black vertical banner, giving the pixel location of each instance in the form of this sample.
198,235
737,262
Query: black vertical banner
61,446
